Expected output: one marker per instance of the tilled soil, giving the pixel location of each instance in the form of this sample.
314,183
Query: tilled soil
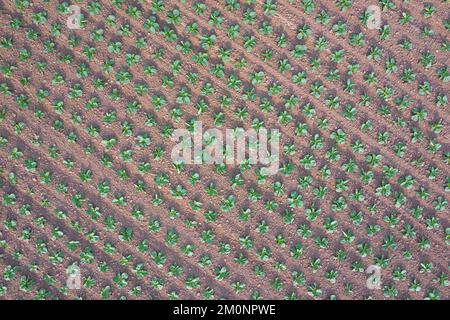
254,253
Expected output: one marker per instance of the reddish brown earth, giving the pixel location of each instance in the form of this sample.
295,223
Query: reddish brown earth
228,228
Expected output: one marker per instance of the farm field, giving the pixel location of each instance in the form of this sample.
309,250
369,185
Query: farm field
93,207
